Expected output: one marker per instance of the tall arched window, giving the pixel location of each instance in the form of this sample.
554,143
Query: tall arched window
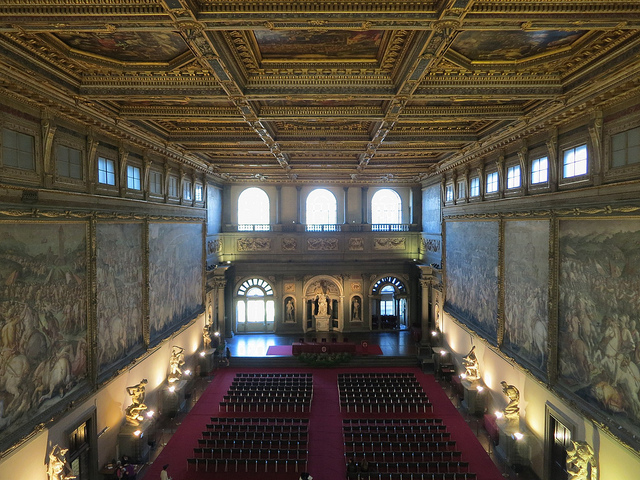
386,209
389,306
255,307
322,210
253,210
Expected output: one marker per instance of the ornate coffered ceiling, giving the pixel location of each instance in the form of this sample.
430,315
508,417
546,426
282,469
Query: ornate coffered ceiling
338,92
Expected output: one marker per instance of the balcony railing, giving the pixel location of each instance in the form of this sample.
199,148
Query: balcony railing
390,227
329,227
254,227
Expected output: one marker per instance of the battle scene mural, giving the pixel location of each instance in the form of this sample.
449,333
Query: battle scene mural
175,275
43,320
526,291
119,287
599,338
472,275
318,44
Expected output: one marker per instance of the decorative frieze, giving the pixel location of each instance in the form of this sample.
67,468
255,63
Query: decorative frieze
389,243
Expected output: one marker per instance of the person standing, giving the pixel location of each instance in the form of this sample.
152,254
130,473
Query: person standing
164,475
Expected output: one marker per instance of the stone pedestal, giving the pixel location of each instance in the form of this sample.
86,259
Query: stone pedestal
176,401
207,362
323,323
514,451
136,447
473,399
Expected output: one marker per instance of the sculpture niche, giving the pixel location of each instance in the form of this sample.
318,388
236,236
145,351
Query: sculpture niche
175,364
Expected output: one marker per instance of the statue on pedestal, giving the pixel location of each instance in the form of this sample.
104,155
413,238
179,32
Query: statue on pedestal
470,363
175,364
323,300
55,469
511,411
137,407
206,336
579,457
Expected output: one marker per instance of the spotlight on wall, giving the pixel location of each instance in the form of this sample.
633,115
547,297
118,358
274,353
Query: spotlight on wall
518,436
172,388
202,354
138,433
463,376
150,413
498,414
443,352
434,333
217,334
480,388
187,372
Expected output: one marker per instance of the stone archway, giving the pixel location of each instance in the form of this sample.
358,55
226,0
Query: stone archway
323,297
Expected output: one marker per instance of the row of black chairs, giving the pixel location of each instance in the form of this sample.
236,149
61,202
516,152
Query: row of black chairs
250,453
271,405
258,428
398,437
298,436
246,465
252,443
402,456
377,375
362,429
391,421
386,405
274,375
416,476
266,421
423,467
389,447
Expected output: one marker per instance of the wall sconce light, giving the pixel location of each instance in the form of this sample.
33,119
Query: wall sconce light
480,388
443,352
518,436
138,433
172,388
498,414
150,413
202,354
463,376
434,333
187,372
217,334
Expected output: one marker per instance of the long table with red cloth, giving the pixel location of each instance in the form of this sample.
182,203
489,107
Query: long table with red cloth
323,347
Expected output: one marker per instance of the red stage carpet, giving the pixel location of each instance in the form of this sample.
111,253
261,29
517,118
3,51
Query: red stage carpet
360,350
326,449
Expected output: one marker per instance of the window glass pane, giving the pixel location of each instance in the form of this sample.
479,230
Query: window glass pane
321,207
619,141
271,311
633,156
241,311
575,161
386,207
255,311
18,150
540,170
633,137
68,162
198,193
187,190
461,190
475,187
513,177
492,182
253,207
133,178
106,171
155,182
173,186
449,193
619,158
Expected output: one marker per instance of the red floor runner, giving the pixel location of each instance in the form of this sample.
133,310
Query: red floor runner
326,452
360,350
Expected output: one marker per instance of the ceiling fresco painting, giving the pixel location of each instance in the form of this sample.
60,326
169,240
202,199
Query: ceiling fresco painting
273,92
128,46
300,44
505,46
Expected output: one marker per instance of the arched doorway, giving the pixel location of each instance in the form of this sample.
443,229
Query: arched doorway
389,304
324,303
255,307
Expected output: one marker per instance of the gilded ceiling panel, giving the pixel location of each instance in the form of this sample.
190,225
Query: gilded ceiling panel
137,47
512,45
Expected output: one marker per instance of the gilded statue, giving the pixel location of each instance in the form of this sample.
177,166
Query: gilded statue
175,364
581,462
56,467
511,411
206,336
137,407
470,363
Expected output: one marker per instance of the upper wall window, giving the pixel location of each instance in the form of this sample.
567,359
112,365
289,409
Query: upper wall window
253,210
474,188
199,193
625,148
69,162
155,182
462,190
173,186
133,178
448,193
513,176
540,170
574,162
492,182
17,150
322,208
106,171
386,207
186,190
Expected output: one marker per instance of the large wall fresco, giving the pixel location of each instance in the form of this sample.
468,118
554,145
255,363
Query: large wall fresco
175,274
43,321
599,338
472,274
526,295
119,286
431,205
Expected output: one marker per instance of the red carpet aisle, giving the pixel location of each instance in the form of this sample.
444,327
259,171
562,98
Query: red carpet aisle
326,451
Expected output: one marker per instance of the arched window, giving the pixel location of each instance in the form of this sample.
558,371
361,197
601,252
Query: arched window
389,306
386,209
255,307
253,210
322,210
